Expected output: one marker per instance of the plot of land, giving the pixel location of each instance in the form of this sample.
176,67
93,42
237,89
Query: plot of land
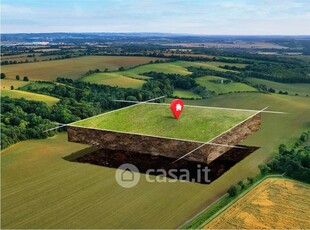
120,78
114,79
274,204
23,57
71,68
198,124
302,89
182,93
218,88
32,178
29,96
7,83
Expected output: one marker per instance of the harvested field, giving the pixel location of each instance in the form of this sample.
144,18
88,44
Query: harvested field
7,83
273,204
73,68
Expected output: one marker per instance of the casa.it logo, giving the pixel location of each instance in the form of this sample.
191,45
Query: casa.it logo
127,175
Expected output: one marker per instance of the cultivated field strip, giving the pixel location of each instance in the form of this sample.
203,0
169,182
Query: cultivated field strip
275,203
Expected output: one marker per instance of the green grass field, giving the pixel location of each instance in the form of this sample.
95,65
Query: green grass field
210,65
301,89
179,67
71,68
274,126
198,124
223,88
29,96
182,93
7,83
42,190
38,85
114,79
133,78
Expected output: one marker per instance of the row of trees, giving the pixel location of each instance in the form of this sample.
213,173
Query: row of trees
293,162
182,82
25,78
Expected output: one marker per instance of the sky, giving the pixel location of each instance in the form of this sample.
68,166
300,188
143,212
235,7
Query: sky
209,17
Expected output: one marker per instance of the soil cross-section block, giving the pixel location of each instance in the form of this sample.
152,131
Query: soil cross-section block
151,129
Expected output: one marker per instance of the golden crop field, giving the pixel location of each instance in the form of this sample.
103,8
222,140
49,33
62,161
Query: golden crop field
7,83
73,68
29,96
274,204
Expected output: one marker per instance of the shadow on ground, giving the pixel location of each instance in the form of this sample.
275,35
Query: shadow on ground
144,162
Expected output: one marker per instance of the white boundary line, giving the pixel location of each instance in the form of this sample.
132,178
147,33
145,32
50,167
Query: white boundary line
135,102
60,126
223,108
207,107
101,114
170,138
219,135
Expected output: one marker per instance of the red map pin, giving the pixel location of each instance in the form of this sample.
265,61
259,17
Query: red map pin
176,107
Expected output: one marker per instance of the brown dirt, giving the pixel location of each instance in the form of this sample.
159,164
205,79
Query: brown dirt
115,158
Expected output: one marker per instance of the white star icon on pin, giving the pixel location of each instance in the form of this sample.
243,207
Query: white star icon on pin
178,107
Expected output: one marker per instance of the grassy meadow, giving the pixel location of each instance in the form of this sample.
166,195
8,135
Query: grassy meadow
223,88
199,124
182,93
273,204
40,189
114,79
302,89
274,130
29,96
73,68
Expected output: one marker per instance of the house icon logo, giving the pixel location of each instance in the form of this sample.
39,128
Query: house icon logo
127,175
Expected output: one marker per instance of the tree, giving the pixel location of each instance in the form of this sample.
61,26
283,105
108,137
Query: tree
3,75
121,68
26,78
304,137
251,180
106,70
264,169
12,87
234,190
132,98
17,77
241,184
282,149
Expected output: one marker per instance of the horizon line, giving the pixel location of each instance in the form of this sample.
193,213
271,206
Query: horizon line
192,34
